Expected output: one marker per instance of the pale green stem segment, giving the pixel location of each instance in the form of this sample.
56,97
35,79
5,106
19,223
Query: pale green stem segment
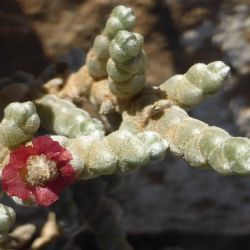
196,84
7,219
64,118
19,124
121,18
120,151
126,66
196,142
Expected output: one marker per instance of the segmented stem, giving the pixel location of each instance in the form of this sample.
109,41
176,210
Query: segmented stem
120,151
121,18
19,124
126,66
64,118
196,84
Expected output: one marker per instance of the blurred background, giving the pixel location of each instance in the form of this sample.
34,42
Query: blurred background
168,206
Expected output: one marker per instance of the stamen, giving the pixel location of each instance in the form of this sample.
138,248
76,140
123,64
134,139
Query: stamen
40,170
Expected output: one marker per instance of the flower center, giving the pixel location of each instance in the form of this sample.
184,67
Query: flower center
40,170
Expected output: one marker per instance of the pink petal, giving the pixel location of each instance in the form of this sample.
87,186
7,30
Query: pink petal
68,174
13,184
57,185
44,196
19,156
49,194
63,157
45,145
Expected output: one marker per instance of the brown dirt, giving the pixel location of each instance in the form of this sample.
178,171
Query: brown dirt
20,47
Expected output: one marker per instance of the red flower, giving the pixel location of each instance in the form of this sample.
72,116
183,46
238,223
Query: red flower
40,171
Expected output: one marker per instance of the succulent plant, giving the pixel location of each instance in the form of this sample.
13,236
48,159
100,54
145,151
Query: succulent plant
153,121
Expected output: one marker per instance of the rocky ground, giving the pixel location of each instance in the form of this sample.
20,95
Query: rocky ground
168,206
